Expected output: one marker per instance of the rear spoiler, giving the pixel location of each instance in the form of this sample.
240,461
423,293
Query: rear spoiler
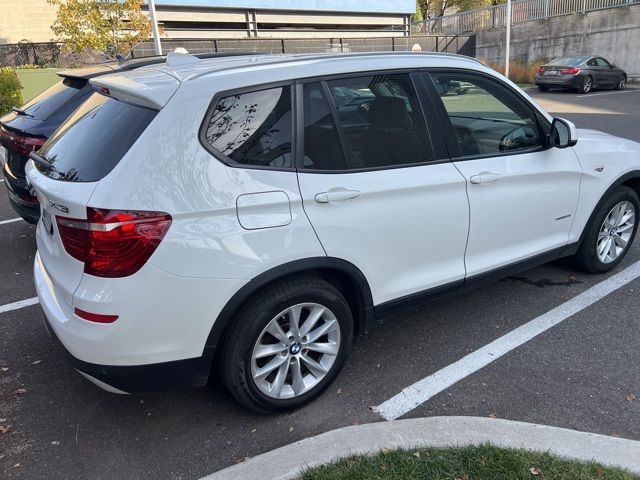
146,89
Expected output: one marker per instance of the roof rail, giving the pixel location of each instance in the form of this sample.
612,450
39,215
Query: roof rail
289,58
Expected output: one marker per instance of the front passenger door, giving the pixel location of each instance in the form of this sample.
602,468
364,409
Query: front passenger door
522,194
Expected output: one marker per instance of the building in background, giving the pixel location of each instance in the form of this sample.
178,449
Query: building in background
31,20
26,20
199,19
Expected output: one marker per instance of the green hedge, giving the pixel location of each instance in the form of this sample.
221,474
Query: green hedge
10,86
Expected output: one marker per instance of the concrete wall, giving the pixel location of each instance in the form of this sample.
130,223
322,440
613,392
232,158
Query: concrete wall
613,33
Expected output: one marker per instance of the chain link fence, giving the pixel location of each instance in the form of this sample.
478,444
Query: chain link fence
51,54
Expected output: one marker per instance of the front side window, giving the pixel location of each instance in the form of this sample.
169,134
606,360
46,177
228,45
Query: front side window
487,117
602,62
380,121
254,128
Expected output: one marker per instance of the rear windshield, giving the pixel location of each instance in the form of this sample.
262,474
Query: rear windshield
568,61
49,101
91,142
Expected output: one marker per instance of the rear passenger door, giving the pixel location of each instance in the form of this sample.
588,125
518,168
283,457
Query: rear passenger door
373,187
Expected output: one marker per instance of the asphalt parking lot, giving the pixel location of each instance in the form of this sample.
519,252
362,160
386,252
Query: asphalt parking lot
581,374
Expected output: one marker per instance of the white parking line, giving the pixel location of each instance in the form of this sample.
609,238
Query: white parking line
606,93
421,391
10,221
18,305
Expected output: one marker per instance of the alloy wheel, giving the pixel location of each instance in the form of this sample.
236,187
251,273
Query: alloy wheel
588,83
295,351
621,84
616,231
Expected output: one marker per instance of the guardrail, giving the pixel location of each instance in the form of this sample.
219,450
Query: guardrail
521,11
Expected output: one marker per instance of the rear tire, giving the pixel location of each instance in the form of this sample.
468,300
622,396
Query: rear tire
611,232
587,85
543,88
294,359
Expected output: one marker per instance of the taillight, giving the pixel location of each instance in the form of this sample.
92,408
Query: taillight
22,144
570,71
113,243
540,70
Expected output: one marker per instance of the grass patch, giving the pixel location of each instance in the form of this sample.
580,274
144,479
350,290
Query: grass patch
36,80
471,463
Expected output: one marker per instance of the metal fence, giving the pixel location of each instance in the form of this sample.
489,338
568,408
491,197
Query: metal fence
521,11
462,44
46,54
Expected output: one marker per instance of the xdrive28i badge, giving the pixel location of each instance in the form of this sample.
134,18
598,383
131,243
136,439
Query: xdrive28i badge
46,221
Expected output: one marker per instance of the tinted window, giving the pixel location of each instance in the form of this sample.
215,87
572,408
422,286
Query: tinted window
49,101
488,118
592,63
322,148
254,128
381,121
92,141
602,62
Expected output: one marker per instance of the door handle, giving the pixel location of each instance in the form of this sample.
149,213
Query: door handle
484,177
336,195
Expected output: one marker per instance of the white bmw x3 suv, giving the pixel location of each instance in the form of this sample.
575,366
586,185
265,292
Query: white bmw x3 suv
257,214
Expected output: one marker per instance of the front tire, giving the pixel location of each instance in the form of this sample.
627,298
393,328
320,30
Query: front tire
622,82
611,232
287,345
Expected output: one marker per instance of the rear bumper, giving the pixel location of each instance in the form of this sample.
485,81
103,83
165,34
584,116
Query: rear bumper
179,374
142,351
565,81
16,188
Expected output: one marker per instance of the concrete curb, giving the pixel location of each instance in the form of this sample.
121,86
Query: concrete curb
289,461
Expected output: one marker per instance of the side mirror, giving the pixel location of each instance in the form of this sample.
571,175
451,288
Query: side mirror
563,133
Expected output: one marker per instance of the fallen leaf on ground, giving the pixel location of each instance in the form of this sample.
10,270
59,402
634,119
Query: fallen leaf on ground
493,415
36,362
16,465
4,429
4,369
416,454
339,391
55,442
253,431
20,391
2,420
291,429
385,451
631,397
535,471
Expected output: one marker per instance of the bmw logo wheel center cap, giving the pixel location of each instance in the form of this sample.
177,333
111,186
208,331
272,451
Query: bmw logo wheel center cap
295,348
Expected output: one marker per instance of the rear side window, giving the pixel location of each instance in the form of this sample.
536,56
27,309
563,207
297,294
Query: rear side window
381,123
253,128
52,99
91,142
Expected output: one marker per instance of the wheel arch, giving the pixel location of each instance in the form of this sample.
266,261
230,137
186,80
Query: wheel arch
630,179
342,274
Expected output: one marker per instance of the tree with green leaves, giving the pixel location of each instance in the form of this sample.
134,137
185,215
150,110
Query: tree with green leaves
113,26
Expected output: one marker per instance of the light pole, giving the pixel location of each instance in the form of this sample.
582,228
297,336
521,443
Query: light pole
508,45
154,27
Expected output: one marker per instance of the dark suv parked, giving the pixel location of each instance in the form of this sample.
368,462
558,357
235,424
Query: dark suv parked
25,129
